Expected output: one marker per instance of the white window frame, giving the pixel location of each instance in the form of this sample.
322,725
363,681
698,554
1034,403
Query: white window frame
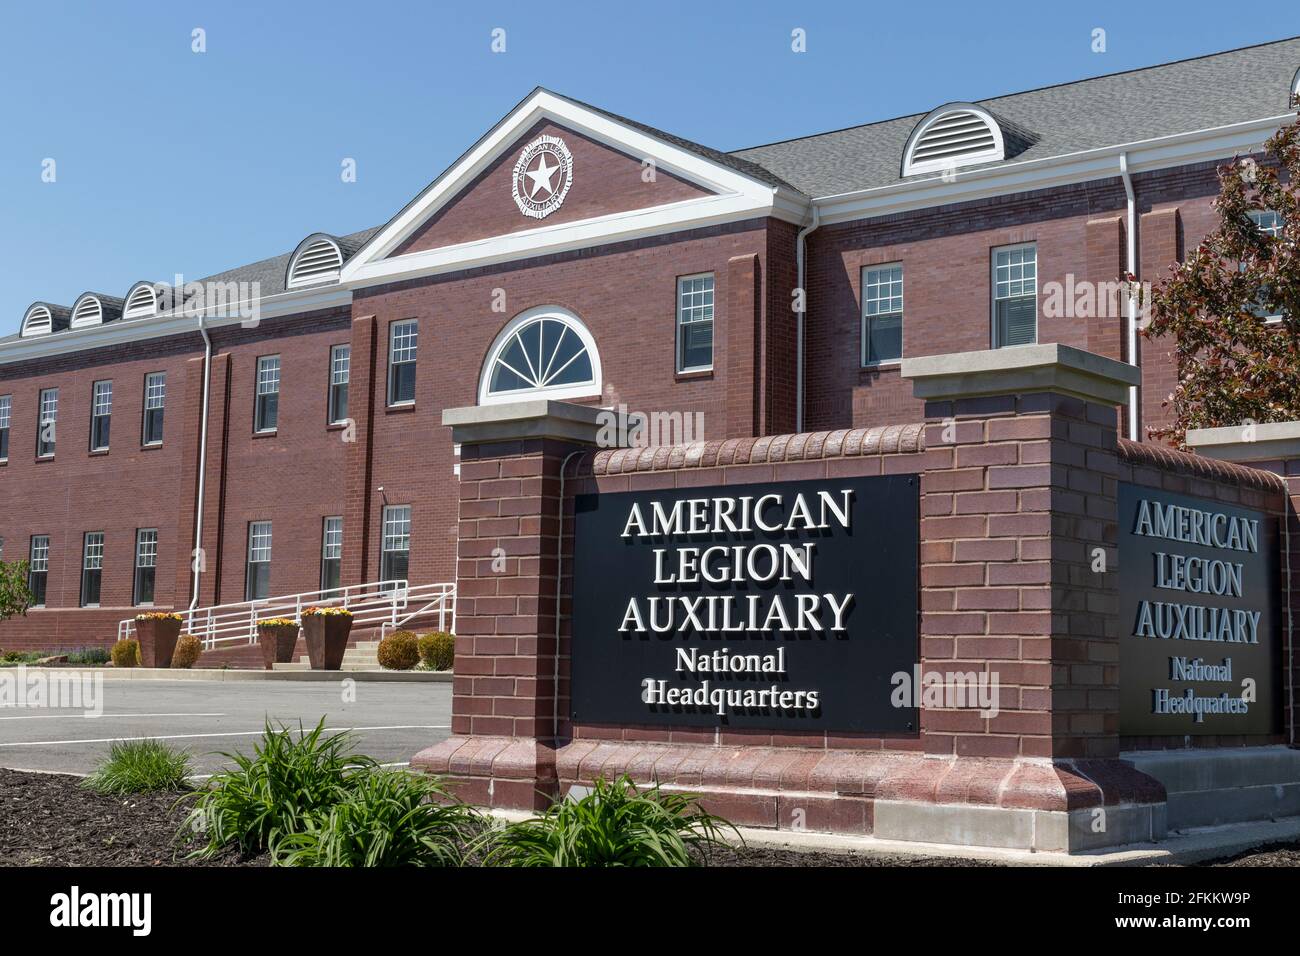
1256,216
340,374
679,324
389,531
101,406
331,544
41,420
6,419
993,291
155,399
256,548
589,389
902,306
262,388
146,556
38,558
92,559
411,346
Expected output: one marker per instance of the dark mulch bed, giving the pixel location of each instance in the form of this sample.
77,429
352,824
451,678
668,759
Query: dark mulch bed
50,820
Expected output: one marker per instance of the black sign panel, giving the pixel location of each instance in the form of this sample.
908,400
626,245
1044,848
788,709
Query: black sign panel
1198,616
787,606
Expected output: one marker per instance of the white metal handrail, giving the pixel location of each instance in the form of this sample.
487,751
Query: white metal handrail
378,602
441,601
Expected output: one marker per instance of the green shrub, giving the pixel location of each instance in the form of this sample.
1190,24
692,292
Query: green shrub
140,766
399,651
273,793
613,825
126,653
387,818
438,650
187,652
89,656
21,657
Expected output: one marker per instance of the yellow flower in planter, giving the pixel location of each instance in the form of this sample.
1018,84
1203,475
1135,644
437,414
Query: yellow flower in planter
277,622
326,612
158,616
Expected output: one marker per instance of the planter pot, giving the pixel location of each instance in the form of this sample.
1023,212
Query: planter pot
277,644
157,641
327,638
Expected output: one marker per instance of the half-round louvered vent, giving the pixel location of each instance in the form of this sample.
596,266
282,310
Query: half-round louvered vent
87,311
141,301
316,260
38,321
951,137
1295,85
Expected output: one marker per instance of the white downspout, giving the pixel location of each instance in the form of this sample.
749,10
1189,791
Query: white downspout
196,564
801,257
1130,236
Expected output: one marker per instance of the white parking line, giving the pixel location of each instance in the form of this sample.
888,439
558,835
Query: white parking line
99,716
236,733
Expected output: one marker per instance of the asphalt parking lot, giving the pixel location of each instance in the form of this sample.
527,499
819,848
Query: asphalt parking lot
391,721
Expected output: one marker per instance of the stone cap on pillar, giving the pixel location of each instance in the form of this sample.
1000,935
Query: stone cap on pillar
1021,370
533,418
1276,441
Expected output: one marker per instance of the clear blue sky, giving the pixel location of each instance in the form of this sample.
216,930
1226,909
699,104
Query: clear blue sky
174,161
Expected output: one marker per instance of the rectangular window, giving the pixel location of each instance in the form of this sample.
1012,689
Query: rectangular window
38,567
340,370
882,314
266,410
1015,296
395,558
403,342
1270,224
92,568
146,563
101,415
6,408
331,554
155,397
45,422
257,580
695,323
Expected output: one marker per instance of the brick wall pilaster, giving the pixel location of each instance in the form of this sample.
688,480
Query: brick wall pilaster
191,414
358,454
744,327
1157,251
1107,261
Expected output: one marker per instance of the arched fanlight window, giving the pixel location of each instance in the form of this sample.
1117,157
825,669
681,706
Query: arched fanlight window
545,351
1295,85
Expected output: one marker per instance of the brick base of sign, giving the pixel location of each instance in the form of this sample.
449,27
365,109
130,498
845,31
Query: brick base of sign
966,801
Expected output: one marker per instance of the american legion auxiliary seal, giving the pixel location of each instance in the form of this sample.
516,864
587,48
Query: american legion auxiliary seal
542,177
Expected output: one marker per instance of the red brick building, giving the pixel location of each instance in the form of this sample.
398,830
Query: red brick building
282,421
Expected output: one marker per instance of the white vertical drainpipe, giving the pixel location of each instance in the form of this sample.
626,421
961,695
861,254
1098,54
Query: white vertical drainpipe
203,462
801,257
1131,241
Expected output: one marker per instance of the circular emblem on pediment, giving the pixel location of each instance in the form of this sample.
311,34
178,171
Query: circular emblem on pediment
542,177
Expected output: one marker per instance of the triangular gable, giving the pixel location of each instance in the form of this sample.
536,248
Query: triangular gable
471,216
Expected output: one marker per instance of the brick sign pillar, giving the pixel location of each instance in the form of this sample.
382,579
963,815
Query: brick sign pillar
1018,568
505,713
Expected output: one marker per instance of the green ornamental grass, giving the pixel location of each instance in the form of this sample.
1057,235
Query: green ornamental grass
287,782
614,825
140,766
388,818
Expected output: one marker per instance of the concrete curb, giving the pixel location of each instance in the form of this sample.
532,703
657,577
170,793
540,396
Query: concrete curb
1183,849
215,674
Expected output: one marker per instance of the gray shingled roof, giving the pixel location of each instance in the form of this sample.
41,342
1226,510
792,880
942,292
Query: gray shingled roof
1204,93
271,273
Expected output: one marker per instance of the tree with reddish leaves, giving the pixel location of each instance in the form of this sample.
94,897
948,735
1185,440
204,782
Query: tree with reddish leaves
1232,308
